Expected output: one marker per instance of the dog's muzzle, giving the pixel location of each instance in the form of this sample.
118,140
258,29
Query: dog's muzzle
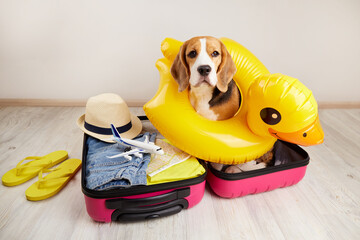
204,70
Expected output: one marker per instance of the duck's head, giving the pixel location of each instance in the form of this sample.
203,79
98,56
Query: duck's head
282,107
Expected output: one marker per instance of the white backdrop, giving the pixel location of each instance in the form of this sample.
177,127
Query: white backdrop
74,49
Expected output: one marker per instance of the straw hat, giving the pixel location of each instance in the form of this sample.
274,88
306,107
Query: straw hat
104,109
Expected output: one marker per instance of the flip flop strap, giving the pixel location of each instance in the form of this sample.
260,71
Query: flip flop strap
21,166
43,180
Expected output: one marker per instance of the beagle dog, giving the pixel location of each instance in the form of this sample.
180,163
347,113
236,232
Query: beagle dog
205,67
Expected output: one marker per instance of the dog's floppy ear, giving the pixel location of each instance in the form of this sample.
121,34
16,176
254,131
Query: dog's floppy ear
180,69
226,70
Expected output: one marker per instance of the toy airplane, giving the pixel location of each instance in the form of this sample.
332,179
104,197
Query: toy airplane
136,147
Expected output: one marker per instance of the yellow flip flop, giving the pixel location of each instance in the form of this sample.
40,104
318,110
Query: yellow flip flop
24,172
52,183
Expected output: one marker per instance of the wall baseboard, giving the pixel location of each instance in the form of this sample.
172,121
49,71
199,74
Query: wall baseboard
343,105
55,103
6,102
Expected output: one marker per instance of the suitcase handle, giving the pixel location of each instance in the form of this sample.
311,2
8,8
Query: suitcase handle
125,203
150,212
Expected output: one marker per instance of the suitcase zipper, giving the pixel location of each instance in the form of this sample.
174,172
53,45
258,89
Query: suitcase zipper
135,190
258,172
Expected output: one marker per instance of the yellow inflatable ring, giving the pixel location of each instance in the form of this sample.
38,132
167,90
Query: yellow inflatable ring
245,136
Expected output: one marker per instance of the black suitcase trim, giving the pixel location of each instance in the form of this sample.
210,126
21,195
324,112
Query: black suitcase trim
254,173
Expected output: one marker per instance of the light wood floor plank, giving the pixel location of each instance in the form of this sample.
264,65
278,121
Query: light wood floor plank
324,205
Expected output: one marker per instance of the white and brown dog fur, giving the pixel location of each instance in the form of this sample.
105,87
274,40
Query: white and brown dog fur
204,65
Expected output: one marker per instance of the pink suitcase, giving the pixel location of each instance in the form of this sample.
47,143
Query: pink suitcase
292,160
141,202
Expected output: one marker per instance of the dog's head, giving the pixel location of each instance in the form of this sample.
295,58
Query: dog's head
203,60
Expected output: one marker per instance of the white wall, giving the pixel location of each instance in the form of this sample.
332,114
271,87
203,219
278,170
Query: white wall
73,49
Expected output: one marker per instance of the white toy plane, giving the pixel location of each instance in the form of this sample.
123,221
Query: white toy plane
137,147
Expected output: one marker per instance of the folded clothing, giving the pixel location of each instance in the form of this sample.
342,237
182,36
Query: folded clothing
174,165
172,156
187,169
104,173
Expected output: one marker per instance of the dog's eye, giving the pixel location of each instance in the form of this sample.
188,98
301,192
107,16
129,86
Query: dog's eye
270,116
215,54
192,54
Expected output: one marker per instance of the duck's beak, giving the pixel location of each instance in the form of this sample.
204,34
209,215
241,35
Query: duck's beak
310,135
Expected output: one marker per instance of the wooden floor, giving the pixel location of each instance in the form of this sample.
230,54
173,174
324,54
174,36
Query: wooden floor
324,205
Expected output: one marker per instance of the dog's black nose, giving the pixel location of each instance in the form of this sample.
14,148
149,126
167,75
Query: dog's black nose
204,70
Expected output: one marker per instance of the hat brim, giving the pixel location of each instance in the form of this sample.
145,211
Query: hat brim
130,134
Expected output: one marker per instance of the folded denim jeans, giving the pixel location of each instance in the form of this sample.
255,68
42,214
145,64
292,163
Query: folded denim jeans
104,173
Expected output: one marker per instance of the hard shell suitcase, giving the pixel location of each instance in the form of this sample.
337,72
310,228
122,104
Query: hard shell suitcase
292,159
140,202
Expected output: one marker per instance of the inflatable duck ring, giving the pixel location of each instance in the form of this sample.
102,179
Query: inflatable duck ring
274,106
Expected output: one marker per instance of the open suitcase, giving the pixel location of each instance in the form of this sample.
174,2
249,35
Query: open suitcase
292,162
140,202
146,202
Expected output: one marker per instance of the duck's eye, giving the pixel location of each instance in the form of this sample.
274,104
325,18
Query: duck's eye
215,54
270,116
192,54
